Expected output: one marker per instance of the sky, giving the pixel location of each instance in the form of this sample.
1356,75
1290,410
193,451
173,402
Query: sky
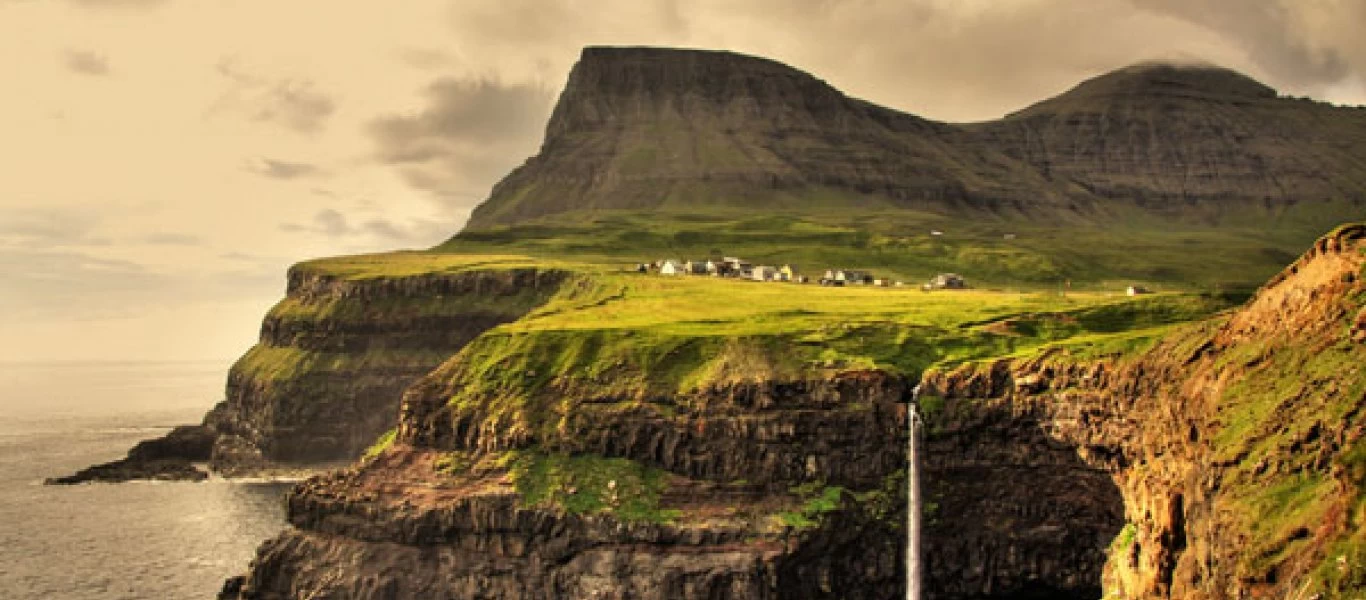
163,162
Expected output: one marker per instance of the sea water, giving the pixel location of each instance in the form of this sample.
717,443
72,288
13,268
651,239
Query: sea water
135,540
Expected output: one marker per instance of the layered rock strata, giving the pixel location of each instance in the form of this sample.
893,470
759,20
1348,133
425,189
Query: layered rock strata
335,355
400,527
1224,462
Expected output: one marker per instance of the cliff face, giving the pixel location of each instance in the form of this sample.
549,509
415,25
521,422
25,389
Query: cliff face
336,354
1223,463
1226,461
653,128
1193,142
697,490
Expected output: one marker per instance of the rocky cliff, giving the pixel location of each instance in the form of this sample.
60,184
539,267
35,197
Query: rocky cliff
336,354
654,128
1225,461
682,497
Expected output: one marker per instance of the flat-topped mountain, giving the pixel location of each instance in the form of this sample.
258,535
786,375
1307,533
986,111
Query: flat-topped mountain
667,129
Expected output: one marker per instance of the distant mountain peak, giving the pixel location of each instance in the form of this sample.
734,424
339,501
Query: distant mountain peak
670,129
1162,79
612,84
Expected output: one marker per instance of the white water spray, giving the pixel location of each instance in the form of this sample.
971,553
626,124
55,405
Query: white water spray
913,501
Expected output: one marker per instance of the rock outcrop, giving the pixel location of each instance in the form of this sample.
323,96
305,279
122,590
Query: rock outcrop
407,524
336,354
665,129
333,360
171,457
1224,462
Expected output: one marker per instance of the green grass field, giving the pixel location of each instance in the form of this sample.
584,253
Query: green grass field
622,341
653,331
899,245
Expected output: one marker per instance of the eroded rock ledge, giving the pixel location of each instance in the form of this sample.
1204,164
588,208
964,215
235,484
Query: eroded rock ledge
1218,464
726,485
326,378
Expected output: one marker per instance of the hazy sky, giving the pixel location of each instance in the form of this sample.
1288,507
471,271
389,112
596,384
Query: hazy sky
163,161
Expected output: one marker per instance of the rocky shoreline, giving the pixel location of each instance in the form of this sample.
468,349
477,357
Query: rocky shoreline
175,456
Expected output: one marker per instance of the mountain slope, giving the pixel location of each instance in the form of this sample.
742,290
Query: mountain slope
664,129
1192,141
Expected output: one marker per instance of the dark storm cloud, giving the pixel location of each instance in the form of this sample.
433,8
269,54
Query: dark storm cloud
469,134
281,169
290,102
85,62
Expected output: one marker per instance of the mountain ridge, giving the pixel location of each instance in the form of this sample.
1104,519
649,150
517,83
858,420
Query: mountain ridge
650,128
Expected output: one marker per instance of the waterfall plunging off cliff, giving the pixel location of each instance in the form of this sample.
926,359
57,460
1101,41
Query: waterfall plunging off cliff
913,501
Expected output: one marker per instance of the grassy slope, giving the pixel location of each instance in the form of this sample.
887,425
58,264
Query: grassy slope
624,341
898,244
288,363
644,340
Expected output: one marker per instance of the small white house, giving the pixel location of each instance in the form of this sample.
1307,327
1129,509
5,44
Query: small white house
1137,290
764,273
947,281
671,267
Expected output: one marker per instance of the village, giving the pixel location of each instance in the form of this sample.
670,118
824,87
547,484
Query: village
737,268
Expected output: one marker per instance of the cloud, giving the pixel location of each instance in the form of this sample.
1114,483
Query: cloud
85,62
469,133
332,223
1299,42
72,284
293,103
172,239
281,169
954,60
426,58
45,228
118,4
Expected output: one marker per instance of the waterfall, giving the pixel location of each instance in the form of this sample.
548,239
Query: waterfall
913,500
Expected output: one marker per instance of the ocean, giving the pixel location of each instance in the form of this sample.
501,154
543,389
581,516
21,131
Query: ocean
142,540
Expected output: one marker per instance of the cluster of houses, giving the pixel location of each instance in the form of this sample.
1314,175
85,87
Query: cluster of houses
729,266
737,268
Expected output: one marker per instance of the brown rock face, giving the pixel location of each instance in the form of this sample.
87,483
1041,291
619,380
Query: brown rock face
655,128
169,457
398,528
1222,463
771,434
335,356
1174,446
